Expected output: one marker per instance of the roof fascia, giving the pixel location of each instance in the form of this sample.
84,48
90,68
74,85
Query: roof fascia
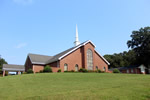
69,52
38,63
102,58
13,69
76,49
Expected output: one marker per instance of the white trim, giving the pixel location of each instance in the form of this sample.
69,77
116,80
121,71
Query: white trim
103,58
13,69
75,49
69,52
88,42
38,63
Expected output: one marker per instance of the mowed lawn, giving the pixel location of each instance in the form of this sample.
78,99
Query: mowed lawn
75,86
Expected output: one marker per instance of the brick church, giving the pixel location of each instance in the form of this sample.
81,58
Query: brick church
82,55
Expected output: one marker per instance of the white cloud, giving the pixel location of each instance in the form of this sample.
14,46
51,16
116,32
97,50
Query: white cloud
23,2
21,45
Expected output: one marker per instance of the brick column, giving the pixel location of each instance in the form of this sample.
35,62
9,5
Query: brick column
3,73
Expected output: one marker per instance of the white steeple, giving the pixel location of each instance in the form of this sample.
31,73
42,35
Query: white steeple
77,39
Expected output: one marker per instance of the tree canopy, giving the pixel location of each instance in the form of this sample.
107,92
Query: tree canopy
2,61
121,59
139,53
140,43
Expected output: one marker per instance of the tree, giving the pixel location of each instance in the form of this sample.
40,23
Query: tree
2,61
121,59
140,43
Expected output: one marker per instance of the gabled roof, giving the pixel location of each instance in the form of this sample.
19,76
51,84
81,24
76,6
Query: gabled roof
11,67
39,59
67,52
42,59
129,67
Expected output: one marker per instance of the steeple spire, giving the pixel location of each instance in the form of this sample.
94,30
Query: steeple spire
77,39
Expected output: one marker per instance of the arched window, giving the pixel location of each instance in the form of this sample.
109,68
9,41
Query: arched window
65,67
104,69
89,59
76,68
96,67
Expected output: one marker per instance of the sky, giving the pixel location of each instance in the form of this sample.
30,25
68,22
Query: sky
48,27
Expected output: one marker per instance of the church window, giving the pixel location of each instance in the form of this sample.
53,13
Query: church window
65,67
76,68
104,69
96,67
89,59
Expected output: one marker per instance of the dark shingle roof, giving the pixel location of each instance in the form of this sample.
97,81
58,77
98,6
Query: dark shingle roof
42,59
39,59
129,67
13,67
56,57
125,68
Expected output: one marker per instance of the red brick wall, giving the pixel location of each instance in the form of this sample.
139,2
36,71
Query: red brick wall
28,64
37,68
72,59
80,57
54,66
86,47
100,63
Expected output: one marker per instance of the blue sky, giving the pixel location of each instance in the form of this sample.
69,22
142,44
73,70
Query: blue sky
48,26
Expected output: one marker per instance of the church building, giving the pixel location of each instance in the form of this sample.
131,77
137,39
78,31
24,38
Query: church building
82,55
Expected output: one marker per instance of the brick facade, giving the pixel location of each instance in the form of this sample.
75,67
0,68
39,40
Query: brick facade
77,57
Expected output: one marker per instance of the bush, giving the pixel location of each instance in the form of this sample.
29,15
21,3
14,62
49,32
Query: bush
59,70
30,71
41,71
92,71
116,71
69,71
47,69
72,71
83,70
24,72
102,71
99,71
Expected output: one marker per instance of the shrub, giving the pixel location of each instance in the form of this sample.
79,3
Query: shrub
83,70
102,71
66,71
116,71
72,71
24,72
92,71
59,70
41,71
47,69
30,71
69,71
99,71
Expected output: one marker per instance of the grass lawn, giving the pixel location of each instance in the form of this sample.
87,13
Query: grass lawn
75,86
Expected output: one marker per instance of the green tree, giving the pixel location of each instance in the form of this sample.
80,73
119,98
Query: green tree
121,59
140,43
2,61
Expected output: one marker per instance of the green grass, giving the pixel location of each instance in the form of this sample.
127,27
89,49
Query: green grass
75,86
